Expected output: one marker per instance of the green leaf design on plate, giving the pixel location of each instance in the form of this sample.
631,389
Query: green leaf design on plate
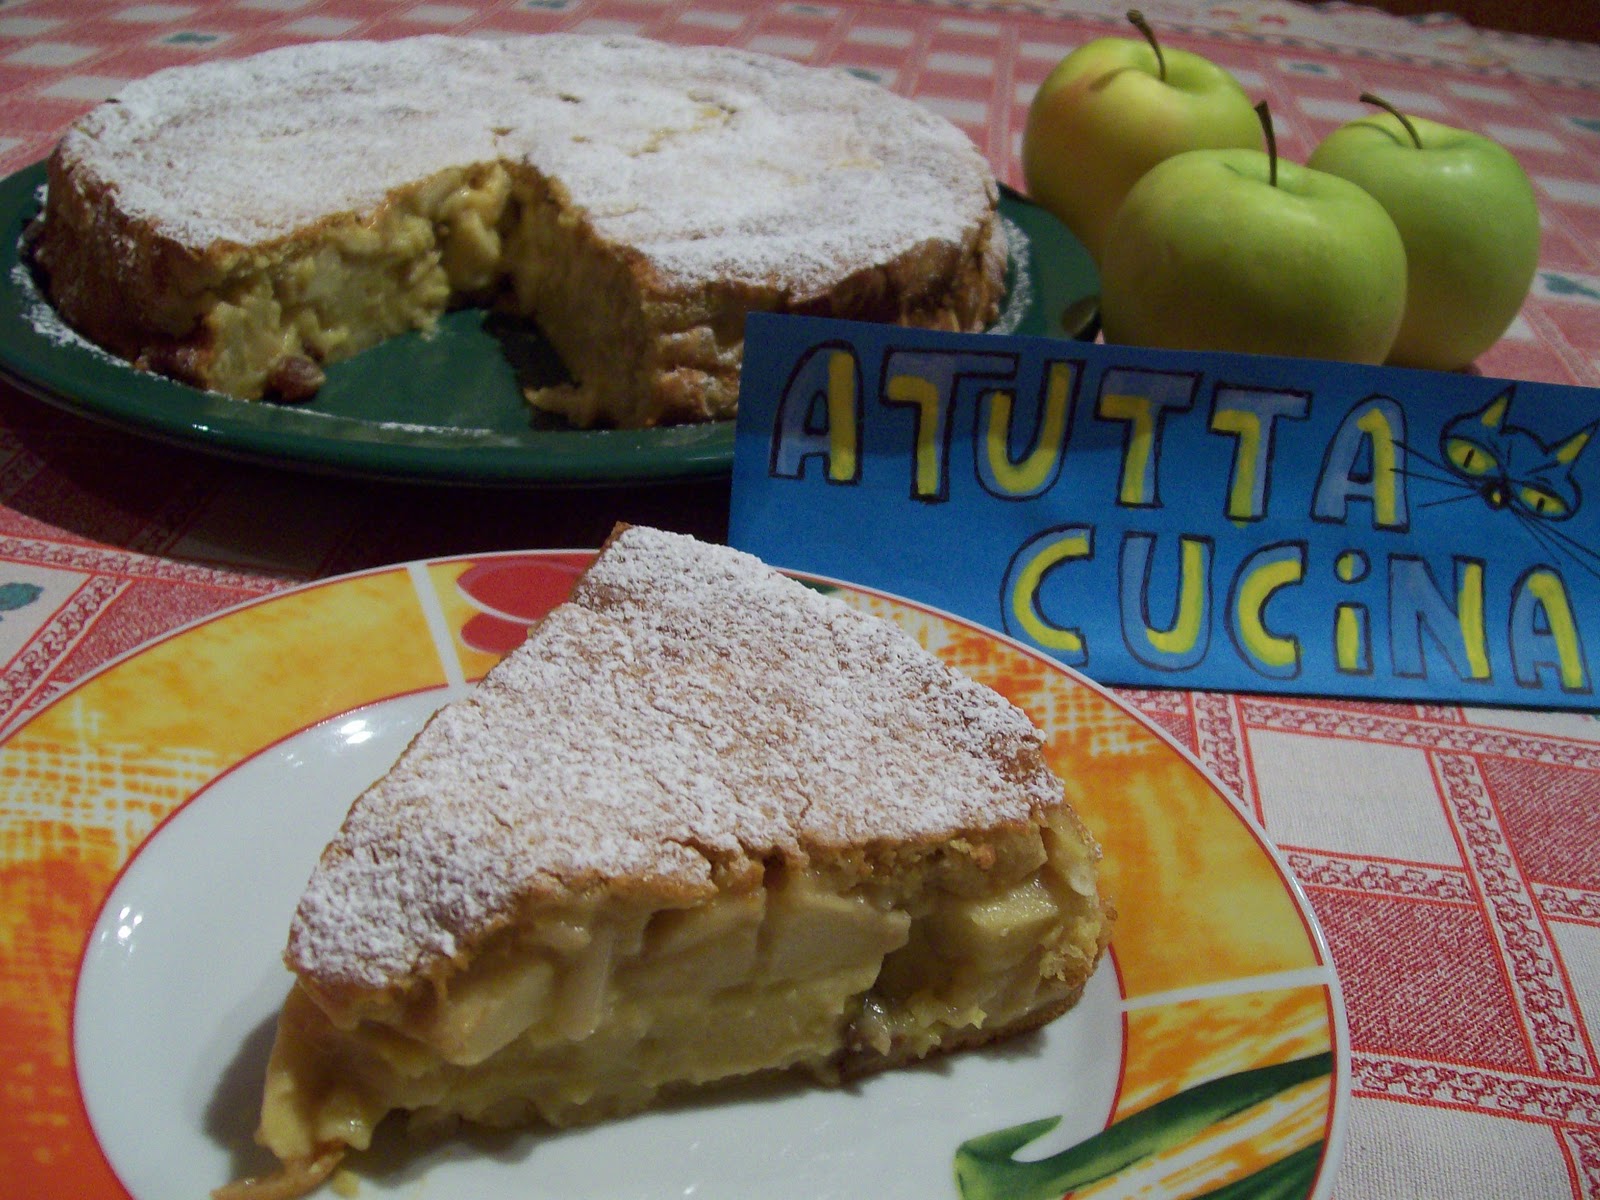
1290,1178
986,1170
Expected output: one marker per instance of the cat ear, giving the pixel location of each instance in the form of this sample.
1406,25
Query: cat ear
1494,414
1568,451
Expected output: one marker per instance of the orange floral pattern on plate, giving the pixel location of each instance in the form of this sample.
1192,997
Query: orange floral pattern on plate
90,777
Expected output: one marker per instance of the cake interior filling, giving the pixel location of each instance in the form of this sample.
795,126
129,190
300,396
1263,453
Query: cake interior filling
485,234
576,1017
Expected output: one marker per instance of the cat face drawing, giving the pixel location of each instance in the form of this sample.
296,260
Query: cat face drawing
1486,459
1509,467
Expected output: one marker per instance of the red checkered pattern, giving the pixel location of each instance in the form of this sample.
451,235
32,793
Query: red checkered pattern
1452,855
977,65
1455,866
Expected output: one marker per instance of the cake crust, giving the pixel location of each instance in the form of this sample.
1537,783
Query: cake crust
685,187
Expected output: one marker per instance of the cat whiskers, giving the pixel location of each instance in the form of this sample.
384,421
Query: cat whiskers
1445,480
1427,458
1448,478
1559,543
1466,495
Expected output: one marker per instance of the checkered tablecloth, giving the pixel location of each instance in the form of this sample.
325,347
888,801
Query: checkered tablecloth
1452,855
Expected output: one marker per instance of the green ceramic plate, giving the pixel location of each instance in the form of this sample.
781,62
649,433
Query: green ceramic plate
445,407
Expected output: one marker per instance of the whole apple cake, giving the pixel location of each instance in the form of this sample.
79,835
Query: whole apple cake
237,224
705,822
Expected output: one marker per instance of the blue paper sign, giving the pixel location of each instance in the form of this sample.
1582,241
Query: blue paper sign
1181,519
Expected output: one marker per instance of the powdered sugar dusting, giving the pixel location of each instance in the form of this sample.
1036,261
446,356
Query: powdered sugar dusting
714,163
43,319
689,707
39,313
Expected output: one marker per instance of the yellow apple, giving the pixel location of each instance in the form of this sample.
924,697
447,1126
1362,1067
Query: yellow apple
1114,108
1468,217
1236,250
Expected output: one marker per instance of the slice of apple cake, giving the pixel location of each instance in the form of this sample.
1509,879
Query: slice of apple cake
705,822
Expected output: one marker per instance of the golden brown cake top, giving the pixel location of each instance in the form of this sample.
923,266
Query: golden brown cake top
713,163
691,712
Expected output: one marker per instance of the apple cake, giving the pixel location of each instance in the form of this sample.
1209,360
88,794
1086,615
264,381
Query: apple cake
706,822
237,224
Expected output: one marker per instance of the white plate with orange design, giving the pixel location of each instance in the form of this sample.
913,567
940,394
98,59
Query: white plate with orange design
161,818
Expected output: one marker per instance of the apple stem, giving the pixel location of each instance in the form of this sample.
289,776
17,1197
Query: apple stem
1136,19
1369,98
1265,114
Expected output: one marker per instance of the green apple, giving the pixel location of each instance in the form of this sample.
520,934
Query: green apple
1236,250
1467,216
1114,108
